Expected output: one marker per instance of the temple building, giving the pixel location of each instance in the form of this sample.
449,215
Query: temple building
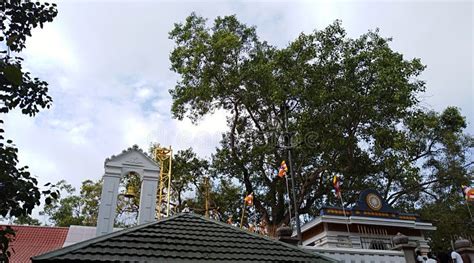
366,228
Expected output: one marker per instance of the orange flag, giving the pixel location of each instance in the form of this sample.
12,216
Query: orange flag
249,199
283,169
336,182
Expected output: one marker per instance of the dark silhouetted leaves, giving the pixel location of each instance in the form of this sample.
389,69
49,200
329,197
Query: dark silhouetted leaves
18,90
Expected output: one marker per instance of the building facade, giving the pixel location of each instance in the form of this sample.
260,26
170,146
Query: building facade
364,231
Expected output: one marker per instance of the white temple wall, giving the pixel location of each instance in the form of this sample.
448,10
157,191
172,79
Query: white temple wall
351,255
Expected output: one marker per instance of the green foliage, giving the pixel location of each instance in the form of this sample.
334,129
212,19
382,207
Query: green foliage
188,173
227,198
70,209
19,192
67,212
7,235
18,89
189,188
352,107
90,195
452,219
26,220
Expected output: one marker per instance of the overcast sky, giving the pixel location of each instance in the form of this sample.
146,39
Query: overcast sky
108,69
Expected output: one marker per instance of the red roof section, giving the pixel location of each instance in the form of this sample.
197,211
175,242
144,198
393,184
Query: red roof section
31,241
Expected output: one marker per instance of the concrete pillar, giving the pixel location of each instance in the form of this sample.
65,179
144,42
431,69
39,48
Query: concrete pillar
108,204
401,243
465,249
147,200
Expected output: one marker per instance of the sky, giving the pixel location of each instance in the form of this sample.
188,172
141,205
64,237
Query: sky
107,65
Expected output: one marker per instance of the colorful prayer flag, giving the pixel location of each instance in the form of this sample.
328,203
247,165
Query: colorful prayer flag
283,169
468,192
249,199
336,182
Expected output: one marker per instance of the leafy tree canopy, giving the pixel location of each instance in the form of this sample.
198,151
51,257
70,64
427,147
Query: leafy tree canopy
71,209
19,90
19,193
26,220
352,107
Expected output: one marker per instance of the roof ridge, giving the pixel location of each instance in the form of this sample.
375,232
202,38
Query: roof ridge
88,245
260,236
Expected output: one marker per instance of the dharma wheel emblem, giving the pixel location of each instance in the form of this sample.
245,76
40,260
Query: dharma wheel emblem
374,202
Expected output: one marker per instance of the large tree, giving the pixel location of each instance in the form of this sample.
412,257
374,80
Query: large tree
18,89
189,172
66,210
75,209
19,193
351,106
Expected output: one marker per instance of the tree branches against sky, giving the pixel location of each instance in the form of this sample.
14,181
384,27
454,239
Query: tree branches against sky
109,76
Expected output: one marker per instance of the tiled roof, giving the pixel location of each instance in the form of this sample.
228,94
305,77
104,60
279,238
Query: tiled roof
184,237
35,240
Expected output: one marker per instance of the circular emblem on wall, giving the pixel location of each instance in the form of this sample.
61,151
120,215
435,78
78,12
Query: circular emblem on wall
373,201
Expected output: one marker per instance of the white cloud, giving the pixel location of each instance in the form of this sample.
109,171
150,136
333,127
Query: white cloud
48,49
144,93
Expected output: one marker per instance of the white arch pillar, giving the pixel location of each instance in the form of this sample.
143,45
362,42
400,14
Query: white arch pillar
131,160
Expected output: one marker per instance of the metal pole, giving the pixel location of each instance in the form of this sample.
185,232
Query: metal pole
297,216
169,183
289,197
347,219
206,184
243,214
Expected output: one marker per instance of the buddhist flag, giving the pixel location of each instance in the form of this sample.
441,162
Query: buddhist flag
336,182
249,199
468,192
283,169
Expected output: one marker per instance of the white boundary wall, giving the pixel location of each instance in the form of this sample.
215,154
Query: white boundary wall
354,255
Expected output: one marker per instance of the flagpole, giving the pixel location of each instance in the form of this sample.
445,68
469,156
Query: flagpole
346,219
297,217
289,198
243,214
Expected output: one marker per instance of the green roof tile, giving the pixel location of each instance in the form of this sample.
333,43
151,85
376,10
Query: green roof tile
181,238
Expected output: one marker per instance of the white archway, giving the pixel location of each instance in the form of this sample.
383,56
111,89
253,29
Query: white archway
131,160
